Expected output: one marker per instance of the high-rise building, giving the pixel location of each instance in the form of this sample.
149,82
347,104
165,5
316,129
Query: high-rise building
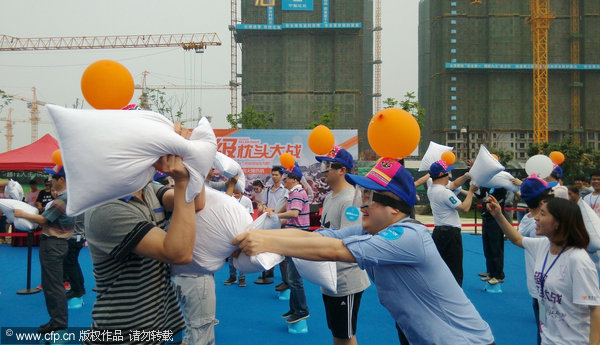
476,81
302,56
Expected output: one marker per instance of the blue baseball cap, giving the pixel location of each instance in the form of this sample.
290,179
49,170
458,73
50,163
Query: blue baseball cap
388,175
57,170
557,172
295,171
534,186
439,167
338,155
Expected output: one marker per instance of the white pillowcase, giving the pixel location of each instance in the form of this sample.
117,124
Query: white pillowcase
434,153
502,180
217,224
14,190
592,225
230,168
108,154
9,205
322,273
484,168
262,261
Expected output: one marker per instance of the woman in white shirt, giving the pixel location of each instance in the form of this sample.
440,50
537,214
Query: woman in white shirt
565,277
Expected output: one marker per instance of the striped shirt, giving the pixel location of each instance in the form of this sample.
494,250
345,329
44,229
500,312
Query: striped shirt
135,293
298,200
58,224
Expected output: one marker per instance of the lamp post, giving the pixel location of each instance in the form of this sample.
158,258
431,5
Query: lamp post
466,132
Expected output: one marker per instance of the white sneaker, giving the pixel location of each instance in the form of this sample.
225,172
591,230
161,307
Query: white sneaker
485,279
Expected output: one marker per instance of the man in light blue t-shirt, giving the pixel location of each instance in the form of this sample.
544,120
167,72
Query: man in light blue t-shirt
412,281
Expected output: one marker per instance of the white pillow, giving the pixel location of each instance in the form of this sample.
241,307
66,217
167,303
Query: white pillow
502,180
217,224
484,168
434,153
230,168
108,154
592,225
322,273
540,165
14,190
263,261
9,205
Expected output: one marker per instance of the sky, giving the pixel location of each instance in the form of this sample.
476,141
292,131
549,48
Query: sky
57,74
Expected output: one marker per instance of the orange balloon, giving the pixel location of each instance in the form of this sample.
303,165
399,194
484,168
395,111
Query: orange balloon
57,158
448,157
393,133
321,140
107,84
287,161
557,157
495,157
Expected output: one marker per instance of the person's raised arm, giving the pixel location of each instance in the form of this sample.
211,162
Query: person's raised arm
421,180
495,210
457,183
35,218
466,204
177,244
311,246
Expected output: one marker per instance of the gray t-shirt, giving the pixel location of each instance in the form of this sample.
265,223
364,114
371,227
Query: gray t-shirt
350,278
134,292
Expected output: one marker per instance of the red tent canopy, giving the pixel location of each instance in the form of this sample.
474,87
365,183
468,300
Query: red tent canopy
35,156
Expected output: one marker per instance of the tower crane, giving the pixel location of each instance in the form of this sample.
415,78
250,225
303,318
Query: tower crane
9,128
195,41
34,119
540,23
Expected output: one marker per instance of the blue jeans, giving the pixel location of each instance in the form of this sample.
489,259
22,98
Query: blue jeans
297,297
196,293
233,271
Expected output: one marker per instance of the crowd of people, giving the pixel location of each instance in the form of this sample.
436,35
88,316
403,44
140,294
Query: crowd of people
148,277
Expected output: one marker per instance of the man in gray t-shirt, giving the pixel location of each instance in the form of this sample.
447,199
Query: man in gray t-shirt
341,307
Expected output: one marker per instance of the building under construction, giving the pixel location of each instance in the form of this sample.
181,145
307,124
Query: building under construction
301,56
476,79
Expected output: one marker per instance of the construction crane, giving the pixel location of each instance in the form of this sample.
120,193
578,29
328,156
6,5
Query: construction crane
9,128
540,23
34,118
197,42
377,60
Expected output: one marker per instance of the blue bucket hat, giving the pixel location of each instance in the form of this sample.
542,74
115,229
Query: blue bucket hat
388,175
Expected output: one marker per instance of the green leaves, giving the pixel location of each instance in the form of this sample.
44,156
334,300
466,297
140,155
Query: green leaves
251,119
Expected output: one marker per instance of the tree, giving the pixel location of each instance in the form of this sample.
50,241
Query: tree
326,118
504,156
156,100
579,160
409,104
4,100
251,119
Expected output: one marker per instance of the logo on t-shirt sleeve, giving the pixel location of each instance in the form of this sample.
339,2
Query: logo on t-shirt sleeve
453,200
392,233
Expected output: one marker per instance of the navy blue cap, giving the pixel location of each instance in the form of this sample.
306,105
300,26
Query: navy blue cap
557,172
439,167
57,170
388,175
295,171
534,186
338,155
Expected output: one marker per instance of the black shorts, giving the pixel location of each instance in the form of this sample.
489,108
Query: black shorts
342,314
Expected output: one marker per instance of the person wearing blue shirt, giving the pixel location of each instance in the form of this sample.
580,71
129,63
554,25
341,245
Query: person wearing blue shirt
412,281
